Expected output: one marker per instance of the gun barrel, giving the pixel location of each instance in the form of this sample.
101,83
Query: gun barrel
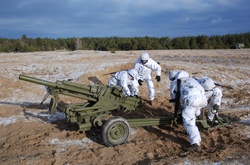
79,86
37,80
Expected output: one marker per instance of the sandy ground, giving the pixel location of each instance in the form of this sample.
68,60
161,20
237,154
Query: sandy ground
29,135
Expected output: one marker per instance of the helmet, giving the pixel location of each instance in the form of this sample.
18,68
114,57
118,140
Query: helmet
133,73
144,56
172,74
182,74
177,74
207,83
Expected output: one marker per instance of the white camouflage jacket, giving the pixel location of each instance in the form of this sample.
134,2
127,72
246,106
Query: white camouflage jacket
145,70
121,78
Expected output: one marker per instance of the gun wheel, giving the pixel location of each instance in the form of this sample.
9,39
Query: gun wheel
115,131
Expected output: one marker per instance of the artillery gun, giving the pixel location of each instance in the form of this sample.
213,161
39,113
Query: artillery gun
97,108
95,111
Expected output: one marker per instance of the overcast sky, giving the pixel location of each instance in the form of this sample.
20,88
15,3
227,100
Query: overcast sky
122,18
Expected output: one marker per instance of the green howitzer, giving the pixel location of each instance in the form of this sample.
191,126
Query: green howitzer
100,101
95,111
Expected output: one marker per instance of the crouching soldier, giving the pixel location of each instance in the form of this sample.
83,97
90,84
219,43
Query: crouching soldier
213,95
127,80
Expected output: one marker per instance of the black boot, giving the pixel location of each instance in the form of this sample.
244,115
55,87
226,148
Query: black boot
193,147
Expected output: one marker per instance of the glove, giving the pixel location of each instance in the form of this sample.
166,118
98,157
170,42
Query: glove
215,108
140,82
199,117
158,78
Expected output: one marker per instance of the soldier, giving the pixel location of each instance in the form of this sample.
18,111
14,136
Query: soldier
144,66
128,80
192,99
213,95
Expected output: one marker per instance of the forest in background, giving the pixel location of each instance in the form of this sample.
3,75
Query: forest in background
25,44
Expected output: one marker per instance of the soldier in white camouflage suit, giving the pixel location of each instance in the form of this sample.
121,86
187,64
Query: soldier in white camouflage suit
192,99
144,66
128,80
213,95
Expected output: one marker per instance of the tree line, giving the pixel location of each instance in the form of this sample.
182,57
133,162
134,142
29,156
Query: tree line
25,44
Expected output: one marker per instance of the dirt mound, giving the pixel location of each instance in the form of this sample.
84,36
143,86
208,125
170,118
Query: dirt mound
103,76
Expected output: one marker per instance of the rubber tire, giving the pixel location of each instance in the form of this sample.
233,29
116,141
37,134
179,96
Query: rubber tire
115,131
